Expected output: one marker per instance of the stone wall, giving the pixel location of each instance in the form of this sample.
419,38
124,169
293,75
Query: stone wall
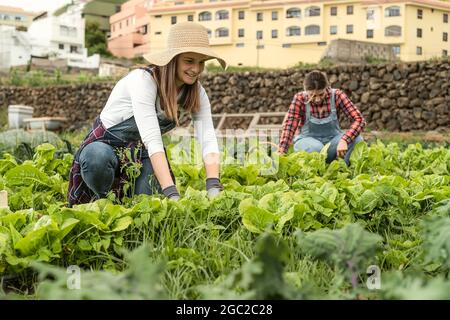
395,97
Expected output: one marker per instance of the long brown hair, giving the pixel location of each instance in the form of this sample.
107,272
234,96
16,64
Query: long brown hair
165,77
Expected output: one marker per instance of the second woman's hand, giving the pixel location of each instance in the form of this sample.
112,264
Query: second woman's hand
342,148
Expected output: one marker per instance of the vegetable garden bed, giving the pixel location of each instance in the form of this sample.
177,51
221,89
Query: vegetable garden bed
307,231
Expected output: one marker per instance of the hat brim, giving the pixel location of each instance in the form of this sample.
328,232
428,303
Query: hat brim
162,58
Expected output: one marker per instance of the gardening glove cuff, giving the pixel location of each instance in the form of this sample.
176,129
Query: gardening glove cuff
171,192
213,187
213,183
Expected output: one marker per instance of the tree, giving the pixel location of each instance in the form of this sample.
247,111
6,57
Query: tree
95,40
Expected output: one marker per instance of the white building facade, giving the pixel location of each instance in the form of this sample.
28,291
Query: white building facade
15,47
62,37
55,37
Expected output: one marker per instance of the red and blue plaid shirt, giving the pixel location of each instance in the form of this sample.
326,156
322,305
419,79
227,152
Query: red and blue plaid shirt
295,118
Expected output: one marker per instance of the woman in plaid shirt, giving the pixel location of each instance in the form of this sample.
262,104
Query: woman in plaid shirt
314,113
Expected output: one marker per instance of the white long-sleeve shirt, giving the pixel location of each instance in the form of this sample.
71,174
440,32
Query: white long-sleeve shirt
136,95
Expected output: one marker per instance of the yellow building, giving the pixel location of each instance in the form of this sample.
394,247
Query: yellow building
16,17
271,33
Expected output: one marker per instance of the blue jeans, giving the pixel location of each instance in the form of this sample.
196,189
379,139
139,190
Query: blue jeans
310,144
100,165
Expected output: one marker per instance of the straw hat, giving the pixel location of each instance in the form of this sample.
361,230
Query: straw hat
184,37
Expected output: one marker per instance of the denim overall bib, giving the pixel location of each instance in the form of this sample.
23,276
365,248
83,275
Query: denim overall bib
316,133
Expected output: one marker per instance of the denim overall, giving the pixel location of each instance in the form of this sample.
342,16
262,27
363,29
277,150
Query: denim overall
316,133
100,164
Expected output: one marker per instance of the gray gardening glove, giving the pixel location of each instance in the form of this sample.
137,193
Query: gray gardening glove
171,192
213,187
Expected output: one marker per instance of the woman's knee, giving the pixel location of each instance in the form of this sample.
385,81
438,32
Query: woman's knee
98,156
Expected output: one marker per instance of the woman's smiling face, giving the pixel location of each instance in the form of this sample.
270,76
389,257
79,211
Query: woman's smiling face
189,66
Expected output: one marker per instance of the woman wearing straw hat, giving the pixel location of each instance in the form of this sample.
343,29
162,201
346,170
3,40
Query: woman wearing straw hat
141,107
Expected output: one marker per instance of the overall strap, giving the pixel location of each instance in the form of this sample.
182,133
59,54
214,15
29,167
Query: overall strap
149,69
333,101
307,106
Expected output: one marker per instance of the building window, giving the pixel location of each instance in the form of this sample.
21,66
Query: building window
370,14
204,16
393,11
158,32
286,45
349,28
333,11
293,31
259,16
173,19
274,33
127,21
293,13
369,34
349,9
312,30
333,30
444,53
158,16
190,17
322,43
445,37
239,45
18,18
419,51
240,33
312,11
241,15
274,15
259,34
73,49
144,29
61,46
393,31
260,46
68,31
222,15
419,33
445,17
222,32
209,33
396,50
419,13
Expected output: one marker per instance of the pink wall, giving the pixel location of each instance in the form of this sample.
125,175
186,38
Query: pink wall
128,38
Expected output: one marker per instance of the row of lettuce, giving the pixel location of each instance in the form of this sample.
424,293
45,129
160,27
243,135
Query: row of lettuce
389,208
